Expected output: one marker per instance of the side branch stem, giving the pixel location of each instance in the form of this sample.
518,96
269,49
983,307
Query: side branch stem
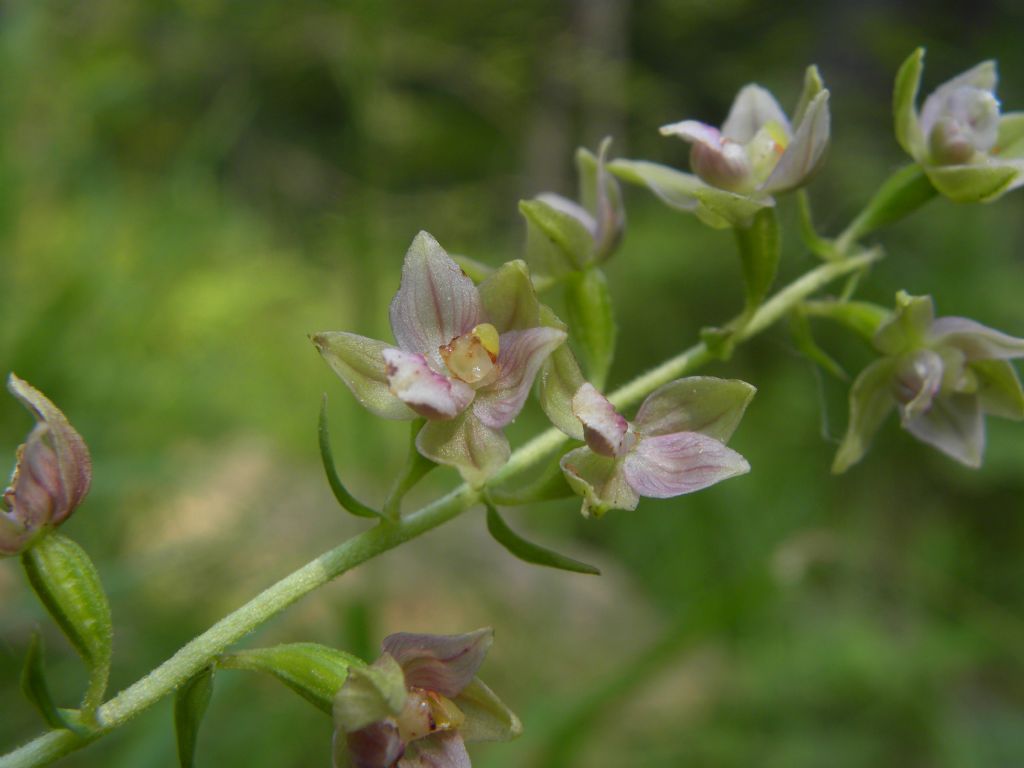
197,654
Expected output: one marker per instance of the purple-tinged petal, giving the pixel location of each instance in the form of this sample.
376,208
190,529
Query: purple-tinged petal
804,153
466,443
429,393
375,746
442,663
604,429
487,717
916,382
435,302
753,108
570,208
520,356
982,76
671,465
976,341
442,750
702,404
599,480
74,464
955,426
359,362
694,132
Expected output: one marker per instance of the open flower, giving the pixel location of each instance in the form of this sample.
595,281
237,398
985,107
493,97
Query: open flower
756,153
417,705
51,477
465,358
675,446
942,375
970,152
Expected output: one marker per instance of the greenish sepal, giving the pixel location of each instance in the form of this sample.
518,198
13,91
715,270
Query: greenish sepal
487,717
313,671
476,270
67,583
556,243
907,328
999,389
37,690
717,208
370,694
592,321
559,380
871,401
530,552
347,501
190,703
813,85
978,183
904,105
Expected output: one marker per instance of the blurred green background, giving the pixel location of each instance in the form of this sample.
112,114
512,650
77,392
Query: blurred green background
189,188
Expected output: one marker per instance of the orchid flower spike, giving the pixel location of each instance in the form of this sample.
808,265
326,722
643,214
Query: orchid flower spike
756,153
465,359
942,375
969,150
675,446
52,474
417,705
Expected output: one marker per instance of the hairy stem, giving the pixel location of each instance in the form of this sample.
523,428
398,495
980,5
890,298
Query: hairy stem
198,653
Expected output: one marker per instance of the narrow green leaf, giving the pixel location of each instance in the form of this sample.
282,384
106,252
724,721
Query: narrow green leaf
814,242
36,689
530,552
66,582
592,322
760,246
345,499
190,703
313,671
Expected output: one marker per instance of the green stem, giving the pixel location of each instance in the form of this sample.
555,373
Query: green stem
416,467
198,653
901,194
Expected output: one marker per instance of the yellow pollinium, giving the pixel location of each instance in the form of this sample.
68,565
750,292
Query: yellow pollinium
472,356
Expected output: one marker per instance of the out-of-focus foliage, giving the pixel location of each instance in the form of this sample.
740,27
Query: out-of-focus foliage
188,188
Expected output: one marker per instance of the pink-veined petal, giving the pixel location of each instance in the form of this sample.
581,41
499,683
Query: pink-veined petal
520,356
751,110
976,341
671,465
442,750
429,393
955,426
604,429
442,663
375,746
435,302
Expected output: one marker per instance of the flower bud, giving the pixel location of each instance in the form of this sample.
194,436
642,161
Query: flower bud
51,477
